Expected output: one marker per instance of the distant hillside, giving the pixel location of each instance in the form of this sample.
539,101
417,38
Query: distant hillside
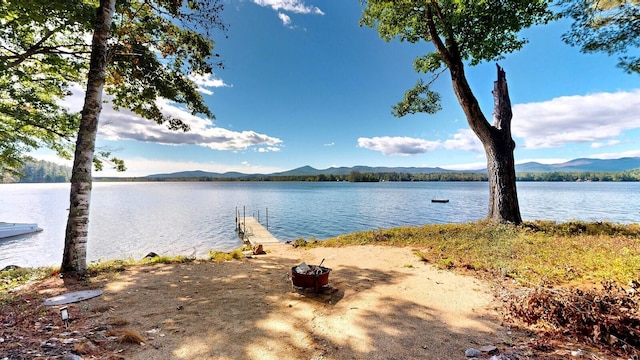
200,174
310,171
577,165
583,165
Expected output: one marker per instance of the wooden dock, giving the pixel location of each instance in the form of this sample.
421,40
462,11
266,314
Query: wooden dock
254,233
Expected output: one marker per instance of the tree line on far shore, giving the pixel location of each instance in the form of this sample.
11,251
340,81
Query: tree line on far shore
38,171
355,176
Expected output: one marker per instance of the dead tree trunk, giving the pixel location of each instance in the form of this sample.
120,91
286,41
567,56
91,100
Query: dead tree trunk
503,196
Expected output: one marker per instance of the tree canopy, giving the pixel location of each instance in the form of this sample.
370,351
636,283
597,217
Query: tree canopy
609,26
155,50
42,53
466,31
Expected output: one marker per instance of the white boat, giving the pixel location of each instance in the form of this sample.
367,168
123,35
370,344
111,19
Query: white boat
15,229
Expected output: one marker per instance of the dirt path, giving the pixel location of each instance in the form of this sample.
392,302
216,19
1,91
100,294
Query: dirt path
383,304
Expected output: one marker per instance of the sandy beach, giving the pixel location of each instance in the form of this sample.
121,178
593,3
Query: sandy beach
381,303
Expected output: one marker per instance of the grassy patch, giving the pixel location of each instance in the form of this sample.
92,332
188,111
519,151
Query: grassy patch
11,279
219,256
536,252
558,264
163,259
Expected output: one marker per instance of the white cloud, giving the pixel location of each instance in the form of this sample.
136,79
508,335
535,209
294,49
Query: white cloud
398,145
294,6
286,20
330,144
588,118
617,155
598,145
464,139
267,149
125,125
466,166
207,81
544,161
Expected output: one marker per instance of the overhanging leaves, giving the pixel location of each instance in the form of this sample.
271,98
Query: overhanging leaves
420,99
461,31
611,26
155,46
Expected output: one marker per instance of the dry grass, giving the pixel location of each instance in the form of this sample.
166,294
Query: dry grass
543,253
576,280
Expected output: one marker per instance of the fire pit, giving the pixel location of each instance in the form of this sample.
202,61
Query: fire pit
310,277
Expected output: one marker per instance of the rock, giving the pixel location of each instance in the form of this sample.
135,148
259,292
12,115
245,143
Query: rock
46,344
472,352
488,348
71,357
87,348
577,353
258,250
10,267
151,255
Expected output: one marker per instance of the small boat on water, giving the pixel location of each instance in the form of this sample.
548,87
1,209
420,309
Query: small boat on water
15,229
439,200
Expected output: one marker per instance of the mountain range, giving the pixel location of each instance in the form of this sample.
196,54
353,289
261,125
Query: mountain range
576,165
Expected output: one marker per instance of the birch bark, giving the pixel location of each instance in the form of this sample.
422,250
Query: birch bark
74,260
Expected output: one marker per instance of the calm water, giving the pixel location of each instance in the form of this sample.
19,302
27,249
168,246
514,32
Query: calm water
128,220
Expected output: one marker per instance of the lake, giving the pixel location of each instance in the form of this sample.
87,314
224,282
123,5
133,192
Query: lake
129,220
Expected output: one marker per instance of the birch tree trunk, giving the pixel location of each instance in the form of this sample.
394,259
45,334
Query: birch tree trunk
74,260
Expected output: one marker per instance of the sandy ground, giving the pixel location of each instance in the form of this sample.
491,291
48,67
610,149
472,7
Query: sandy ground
382,303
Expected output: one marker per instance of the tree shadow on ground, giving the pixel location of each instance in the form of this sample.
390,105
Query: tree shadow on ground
249,310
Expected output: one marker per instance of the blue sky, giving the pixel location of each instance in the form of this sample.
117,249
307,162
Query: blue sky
304,84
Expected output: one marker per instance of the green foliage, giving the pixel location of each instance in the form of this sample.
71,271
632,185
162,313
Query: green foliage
300,243
417,100
42,54
611,26
535,252
155,49
219,256
356,176
461,31
10,279
583,228
179,31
